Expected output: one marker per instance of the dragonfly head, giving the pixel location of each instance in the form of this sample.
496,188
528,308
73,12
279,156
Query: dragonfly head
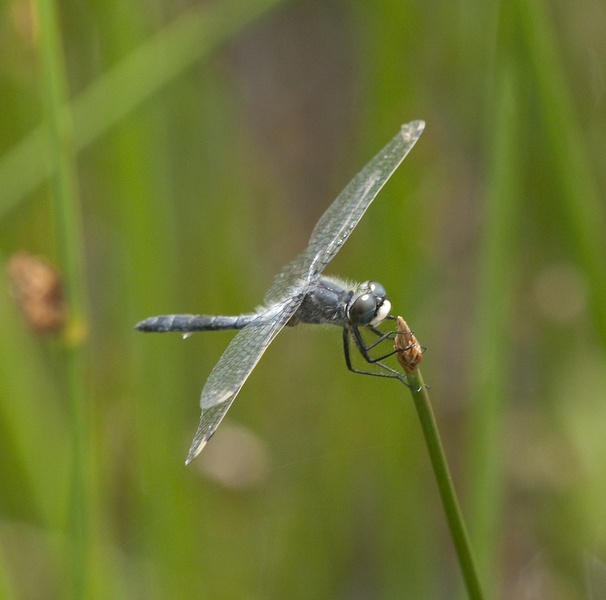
370,306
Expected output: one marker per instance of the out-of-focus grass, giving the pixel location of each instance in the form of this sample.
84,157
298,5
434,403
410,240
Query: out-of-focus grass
125,86
68,237
491,349
207,145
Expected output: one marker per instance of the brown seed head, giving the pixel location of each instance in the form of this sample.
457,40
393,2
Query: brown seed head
408,350
37,290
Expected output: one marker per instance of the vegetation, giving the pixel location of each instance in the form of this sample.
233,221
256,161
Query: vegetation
170,158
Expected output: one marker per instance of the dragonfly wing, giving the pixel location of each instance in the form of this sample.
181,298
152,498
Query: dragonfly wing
236,364
342,216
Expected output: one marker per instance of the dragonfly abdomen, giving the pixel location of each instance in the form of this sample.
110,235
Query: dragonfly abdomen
188,323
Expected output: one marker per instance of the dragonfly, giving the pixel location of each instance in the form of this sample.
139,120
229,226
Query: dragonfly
300,294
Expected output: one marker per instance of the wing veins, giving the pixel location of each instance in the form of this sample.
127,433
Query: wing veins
340,219
236,364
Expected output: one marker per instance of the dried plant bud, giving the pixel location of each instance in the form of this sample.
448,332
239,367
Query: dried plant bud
408,351
37,290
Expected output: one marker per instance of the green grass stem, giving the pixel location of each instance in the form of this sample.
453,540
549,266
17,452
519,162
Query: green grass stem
68,236
489,378
448,495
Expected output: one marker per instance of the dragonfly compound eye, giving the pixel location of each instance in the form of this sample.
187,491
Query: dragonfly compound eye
378,291
363,309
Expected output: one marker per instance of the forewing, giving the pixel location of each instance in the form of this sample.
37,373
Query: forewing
337,223
235,365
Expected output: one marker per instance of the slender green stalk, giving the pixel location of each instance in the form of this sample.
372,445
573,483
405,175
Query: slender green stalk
445,485
69,241
490,376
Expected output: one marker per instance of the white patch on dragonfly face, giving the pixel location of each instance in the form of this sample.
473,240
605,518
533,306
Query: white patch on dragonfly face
381,313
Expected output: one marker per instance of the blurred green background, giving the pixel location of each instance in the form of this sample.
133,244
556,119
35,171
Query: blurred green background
170,157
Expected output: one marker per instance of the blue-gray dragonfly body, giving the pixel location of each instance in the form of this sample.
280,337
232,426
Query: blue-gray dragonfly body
299,294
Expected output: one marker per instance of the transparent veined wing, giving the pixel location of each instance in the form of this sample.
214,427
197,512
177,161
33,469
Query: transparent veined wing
342,216
236,364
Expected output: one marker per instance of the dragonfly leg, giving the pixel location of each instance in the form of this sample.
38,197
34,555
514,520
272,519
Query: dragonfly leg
364,348
391,373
